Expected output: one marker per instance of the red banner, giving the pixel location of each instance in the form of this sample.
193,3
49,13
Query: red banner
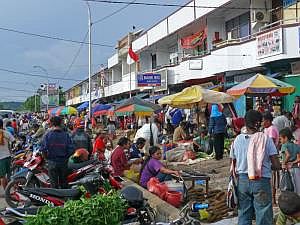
194,40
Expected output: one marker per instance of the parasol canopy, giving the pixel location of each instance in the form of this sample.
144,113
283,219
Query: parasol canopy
100,107
140,102
194,96
83,106
261,85
69,110
138,110
55,111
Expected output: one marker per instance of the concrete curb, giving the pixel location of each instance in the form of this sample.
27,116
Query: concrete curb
165,211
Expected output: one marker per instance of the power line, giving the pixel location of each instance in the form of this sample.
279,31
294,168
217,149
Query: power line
75,56
12,89
36,75
84,39
53,37
114,13
169,5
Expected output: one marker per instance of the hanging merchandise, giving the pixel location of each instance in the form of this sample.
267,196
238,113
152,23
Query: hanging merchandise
194,40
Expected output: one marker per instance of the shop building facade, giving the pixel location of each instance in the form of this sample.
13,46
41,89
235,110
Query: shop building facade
209,42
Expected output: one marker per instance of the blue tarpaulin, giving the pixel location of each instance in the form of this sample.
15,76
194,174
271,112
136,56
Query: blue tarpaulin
83,106
101,107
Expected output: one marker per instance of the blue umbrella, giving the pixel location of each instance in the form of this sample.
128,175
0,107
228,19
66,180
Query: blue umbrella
101,107
83,106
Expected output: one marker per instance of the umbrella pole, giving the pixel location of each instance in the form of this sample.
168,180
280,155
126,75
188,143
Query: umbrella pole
198,117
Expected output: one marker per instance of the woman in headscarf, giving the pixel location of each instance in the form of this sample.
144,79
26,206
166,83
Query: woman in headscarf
217,128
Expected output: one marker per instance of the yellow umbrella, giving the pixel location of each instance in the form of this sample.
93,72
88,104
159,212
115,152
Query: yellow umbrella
195,96
69,110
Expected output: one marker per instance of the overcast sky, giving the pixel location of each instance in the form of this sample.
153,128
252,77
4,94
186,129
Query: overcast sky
66,19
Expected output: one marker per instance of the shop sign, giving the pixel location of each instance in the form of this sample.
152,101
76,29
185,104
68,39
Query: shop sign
149,80
287,3
195,64
269,44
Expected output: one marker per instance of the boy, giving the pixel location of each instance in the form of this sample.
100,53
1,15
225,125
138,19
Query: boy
289,204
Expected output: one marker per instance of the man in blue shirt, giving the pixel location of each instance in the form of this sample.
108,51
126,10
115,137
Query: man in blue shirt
134,151
57,147
254,195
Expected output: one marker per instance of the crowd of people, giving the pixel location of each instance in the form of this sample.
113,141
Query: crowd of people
264,146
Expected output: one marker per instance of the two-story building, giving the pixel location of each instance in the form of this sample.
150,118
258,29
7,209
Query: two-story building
210,42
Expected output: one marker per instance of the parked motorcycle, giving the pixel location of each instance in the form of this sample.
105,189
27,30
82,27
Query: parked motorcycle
35,175
138,210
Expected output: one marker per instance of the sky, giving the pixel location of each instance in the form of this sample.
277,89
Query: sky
66,19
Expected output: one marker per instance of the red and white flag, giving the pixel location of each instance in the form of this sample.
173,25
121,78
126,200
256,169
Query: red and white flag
132,56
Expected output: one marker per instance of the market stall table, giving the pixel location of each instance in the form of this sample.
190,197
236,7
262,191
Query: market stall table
193,177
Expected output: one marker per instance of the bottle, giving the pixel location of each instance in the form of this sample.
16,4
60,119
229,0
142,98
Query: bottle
198,206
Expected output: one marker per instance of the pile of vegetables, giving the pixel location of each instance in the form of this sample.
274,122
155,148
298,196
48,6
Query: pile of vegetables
97,210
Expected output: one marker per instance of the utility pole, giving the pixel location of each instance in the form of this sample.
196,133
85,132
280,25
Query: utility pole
90,58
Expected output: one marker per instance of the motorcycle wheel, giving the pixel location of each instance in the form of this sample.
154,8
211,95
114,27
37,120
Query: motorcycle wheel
147,216
12,187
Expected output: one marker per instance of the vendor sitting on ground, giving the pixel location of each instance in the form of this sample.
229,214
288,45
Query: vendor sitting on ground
135,150
201,143
179,132
289,204
118,157
153,167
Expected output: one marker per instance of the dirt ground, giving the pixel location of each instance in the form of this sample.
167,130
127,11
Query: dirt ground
217,170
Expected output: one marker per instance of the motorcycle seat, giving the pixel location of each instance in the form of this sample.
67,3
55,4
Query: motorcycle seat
61,193
76,166
24,211
133,196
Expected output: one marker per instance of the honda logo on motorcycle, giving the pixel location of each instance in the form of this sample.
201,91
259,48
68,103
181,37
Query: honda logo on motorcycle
39,198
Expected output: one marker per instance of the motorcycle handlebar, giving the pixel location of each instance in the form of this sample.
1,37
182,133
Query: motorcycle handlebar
85,180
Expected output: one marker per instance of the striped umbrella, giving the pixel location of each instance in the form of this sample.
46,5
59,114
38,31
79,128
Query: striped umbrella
261,85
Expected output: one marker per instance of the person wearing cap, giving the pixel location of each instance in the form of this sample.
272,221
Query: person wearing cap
289,205
81,139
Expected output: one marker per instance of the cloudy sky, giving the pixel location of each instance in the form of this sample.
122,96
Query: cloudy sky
64,19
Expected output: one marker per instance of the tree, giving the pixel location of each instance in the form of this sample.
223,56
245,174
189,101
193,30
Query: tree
30,102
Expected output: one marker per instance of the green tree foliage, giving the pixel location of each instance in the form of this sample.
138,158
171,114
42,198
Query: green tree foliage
30,102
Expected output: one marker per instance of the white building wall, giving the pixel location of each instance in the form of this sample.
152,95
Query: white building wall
157,32
181,18
163,57
207,3
140,43
112,61
145,61
215,25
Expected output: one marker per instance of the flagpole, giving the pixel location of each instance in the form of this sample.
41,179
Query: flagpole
129,45
129,80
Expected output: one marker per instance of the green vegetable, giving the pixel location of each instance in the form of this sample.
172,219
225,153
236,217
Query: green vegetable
98,210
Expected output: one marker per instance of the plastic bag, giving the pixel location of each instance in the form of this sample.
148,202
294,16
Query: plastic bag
231,198
189,155
175,155
286,182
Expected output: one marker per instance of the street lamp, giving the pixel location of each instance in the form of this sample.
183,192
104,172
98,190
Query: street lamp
90,58
47,86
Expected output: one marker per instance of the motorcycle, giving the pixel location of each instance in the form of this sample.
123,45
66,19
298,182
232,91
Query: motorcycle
35,175
92,183
138,210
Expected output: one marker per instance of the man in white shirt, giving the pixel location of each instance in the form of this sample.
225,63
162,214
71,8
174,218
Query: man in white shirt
144,132
283,121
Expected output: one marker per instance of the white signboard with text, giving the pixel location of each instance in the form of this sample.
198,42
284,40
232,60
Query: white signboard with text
269,44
